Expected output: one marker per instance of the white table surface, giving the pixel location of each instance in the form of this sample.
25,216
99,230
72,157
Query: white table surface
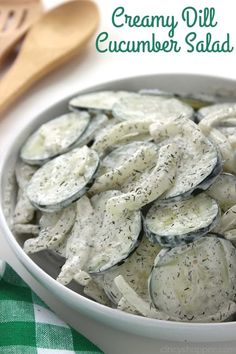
91,68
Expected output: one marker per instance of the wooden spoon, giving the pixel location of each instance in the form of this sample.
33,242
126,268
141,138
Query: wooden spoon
52,41
16,17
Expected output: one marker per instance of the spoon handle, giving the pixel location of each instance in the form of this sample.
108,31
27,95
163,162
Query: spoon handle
57,37
20,77
29,67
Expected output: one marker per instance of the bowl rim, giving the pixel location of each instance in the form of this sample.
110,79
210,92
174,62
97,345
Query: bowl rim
152,328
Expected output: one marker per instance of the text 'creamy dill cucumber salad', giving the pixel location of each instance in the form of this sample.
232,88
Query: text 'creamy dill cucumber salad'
136,192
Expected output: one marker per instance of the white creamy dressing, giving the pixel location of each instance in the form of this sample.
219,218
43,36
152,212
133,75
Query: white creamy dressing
182,217
54,137
146,107
62,178
99,240
92,216
101,101
199,157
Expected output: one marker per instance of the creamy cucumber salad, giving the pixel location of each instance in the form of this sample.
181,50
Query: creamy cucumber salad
136,193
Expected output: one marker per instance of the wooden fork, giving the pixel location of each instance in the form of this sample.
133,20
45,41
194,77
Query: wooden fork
16,16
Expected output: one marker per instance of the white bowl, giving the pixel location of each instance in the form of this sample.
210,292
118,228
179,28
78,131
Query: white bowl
114,331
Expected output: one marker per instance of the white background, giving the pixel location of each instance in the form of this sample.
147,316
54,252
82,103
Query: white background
91,67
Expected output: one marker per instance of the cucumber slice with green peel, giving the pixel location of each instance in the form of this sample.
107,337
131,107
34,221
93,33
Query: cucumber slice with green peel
135,302
223,190
161,178
225,148
205,111
106,186
54,138
174,223
194,100
150,107
121,154
110,123
135,271
63,180
227,221
143,156
215,126
223,116
97,101
99,240
228,123
116,133
195,282
96,123
200,161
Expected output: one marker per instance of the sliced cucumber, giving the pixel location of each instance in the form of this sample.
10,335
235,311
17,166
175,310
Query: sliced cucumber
120,155
227,222
110,123
117,235
24,210
225,148
63,180
97,101
195,281
99,240
149,107
60,249
209,110
223,190
53,230
135,271
223,116
135,303
116,133
26,229
96,292
125,306
134,138
212,124
24,173
80,242
200,162
196,101
54,138
230,134
161,178
97,122
174,223
143,156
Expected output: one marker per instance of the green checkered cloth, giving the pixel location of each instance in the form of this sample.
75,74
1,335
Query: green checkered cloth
28,326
